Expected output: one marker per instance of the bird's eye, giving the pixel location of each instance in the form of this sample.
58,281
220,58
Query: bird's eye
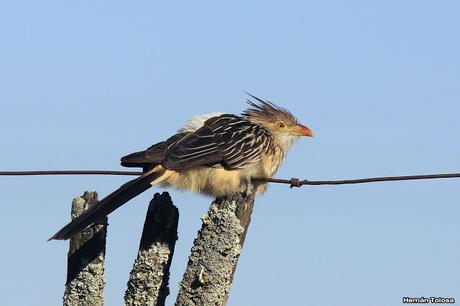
281,125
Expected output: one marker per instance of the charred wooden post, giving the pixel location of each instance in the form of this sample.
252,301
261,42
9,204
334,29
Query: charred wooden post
85,261
149,278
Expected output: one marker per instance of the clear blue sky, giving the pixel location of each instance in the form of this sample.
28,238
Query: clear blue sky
84,83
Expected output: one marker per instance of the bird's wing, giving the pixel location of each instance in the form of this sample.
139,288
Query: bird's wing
225,141
152,156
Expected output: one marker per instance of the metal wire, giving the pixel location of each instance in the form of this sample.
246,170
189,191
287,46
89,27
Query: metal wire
294,182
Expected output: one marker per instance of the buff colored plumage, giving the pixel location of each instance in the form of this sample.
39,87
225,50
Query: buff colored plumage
211,154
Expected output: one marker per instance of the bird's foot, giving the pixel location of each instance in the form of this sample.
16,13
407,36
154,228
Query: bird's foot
249,187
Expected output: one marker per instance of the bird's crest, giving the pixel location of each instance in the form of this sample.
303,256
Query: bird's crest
262,111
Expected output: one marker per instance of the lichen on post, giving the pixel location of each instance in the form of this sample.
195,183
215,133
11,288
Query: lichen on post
214,256
85,260
148,281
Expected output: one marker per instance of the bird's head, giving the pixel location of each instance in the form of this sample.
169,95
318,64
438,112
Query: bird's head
284,127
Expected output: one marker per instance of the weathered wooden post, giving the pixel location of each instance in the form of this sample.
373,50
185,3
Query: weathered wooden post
85,260
148,281
212,263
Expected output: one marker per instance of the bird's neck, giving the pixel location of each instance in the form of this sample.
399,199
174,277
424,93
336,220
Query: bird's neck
278,151
273,159
284,142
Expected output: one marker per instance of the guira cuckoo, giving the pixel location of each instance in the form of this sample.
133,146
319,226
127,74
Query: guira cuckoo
211,154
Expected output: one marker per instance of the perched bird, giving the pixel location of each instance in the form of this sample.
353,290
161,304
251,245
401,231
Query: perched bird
212,154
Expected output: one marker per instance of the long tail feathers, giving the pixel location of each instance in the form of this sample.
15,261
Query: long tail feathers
111,202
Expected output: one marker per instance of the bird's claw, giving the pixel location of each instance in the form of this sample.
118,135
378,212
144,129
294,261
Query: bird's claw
295,182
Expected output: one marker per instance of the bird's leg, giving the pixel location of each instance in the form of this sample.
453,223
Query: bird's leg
247,187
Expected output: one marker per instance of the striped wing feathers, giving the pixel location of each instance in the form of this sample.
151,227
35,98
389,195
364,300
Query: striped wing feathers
225,141
153,155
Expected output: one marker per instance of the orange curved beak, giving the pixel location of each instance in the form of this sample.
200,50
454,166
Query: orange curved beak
302,130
